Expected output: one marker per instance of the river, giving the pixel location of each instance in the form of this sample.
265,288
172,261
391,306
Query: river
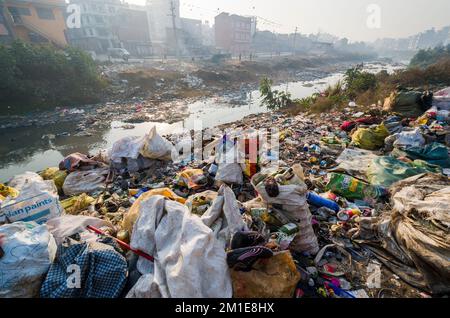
27,148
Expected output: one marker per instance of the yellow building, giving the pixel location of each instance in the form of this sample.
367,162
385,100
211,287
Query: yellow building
36,21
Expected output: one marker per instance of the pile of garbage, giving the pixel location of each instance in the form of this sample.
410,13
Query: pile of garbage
347,205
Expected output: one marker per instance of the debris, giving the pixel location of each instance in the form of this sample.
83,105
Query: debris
103,271
28,253
37,201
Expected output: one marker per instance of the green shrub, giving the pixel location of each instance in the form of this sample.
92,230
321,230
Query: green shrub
273,99
358,81
425,58
43,76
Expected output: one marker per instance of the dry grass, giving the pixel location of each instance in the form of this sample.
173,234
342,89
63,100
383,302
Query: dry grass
436,74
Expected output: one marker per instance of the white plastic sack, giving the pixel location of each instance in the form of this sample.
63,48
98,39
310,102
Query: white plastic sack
19,181
408,139
294,207
156,147
189,261
228,158
290,194
230,173
85,181
128,147
38,201
441,99
224,216
355,162
68,225
29,250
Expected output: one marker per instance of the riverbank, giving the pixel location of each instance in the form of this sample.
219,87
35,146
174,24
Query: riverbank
46,138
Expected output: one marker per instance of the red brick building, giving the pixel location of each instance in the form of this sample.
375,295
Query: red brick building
233,33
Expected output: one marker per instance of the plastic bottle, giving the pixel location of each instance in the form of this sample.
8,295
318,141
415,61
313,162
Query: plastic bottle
141,191
213,169
318,201
298,170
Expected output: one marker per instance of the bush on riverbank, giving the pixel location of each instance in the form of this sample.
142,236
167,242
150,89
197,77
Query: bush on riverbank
43,76
367,89
425,58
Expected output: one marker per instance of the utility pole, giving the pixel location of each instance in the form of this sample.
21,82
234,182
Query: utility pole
174,26
273,44
295,39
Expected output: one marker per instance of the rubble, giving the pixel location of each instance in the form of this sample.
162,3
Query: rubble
347,197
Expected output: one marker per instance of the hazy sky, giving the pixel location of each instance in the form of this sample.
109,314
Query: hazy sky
345,18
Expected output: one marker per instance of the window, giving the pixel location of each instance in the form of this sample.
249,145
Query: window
45,13
19,11
102,32
98,19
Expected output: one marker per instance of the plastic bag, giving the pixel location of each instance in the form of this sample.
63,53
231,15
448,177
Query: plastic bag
352,188
127,147
38,201
405,103
354,162
77,203
370,138
190,178
224,216
6,191
68,225
293,202
413,239
230,173
275,277
29,250
441,99
427,194
26,178
385,171
289,194
133,213
58,176
78,161
190,261
85,181
434,153
156,147
407,139
199,203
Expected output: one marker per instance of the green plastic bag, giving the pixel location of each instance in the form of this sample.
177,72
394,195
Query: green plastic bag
370,138
385,171
352,188
427,166
434,153
58,176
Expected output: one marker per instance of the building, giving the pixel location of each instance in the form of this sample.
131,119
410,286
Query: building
163,15
190,36
34,21
233,33
207,34
97,25
6,32
131,27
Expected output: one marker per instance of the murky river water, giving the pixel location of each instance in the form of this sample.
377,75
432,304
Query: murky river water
24,149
